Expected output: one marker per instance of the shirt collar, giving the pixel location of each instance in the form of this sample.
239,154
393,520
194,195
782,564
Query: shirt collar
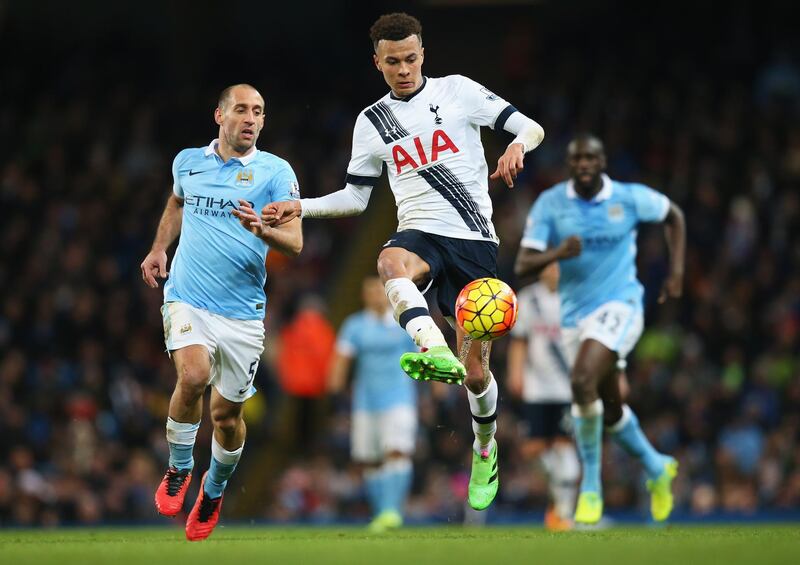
410,96
244,159
605,191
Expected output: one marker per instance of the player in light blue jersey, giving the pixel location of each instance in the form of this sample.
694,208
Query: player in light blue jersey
384,420
589,224
214,298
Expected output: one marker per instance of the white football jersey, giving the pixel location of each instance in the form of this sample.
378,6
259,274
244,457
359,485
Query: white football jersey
430,142
546,368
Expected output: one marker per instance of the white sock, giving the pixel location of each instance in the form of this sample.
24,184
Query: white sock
411,312
563,480
484,415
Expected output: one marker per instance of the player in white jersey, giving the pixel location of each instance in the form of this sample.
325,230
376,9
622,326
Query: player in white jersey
426,131
214,298
538,373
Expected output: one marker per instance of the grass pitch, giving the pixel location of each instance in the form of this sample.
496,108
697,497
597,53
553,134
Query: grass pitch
726,545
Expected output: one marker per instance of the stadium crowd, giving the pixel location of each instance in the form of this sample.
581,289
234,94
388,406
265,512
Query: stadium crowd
84,380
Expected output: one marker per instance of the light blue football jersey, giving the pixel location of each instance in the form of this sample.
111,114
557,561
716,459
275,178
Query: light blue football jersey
219,265
605,270
376,344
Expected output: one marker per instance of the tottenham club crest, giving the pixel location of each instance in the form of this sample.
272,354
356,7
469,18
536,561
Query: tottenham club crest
294,190
244,178
435,109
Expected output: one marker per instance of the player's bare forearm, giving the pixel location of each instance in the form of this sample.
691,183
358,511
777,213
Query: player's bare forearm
169,227
516,363
338,373
286,238
675,231
530,262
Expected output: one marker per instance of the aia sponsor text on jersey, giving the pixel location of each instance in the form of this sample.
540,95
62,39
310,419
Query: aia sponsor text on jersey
412,152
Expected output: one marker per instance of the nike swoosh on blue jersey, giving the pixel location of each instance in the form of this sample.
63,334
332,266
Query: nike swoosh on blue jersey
191,172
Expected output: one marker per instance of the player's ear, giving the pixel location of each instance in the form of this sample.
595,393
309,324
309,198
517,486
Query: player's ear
375,60
218,116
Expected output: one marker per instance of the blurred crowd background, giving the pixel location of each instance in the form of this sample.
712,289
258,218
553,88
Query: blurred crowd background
96,99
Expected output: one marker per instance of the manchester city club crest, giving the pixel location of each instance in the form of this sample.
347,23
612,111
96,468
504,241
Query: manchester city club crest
244,178
616,213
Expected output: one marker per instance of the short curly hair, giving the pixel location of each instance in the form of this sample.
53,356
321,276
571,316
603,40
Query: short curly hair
394,27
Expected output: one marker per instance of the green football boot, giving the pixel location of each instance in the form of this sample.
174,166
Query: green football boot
483,481
435,364
386,520
661,491
589,509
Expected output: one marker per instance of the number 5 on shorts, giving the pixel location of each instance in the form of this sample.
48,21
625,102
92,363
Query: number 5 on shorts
251,377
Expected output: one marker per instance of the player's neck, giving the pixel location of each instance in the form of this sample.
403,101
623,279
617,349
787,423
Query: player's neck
226,152
379,312
589,192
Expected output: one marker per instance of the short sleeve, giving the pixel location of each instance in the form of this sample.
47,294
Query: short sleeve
365,166
538,226
177,189
520,328
284,185
651,205
347,340
482,106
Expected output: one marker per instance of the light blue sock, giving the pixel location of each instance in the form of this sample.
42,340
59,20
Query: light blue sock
373,484
628,433
589,439
223,463
398,480
180,438
385,502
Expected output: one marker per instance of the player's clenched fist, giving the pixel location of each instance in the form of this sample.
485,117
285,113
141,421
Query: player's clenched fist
154,265
277,213
570,247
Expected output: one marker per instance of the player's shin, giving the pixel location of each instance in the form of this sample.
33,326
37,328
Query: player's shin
374,486
588,419
398,472
484,415
411,312
181,437
223,464
628,433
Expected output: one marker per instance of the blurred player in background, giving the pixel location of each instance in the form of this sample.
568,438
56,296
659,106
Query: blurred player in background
426,132
538,373
384,406
589,225
214,298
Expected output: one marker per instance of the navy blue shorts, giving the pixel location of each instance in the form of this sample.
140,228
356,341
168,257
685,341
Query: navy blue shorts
546,420
454,262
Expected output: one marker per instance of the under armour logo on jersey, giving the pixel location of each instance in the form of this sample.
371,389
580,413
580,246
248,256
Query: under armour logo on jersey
437,120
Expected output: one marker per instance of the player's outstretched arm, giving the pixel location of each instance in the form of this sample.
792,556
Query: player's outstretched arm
350,201
286,237
675,232
155,264
530,262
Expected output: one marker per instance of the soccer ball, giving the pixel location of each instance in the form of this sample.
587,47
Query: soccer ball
486,309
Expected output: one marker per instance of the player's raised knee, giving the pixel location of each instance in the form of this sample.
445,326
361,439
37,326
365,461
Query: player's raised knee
225,422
